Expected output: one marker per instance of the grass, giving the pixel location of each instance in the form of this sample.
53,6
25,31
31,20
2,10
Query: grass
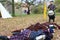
21,22
32,14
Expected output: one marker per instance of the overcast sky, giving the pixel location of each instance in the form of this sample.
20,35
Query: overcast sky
25,0
36,2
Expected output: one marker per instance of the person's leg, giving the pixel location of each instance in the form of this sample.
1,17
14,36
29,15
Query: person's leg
53,18
49,20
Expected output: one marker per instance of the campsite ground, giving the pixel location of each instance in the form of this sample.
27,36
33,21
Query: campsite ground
20,22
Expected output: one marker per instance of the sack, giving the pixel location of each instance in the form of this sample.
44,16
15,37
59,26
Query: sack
50,12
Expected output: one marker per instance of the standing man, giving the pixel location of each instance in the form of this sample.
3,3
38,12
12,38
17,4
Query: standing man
51,13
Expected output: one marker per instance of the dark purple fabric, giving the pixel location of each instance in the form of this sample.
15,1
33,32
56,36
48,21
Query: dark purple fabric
51,7
21,36
26,32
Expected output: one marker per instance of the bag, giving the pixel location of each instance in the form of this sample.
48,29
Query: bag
50,12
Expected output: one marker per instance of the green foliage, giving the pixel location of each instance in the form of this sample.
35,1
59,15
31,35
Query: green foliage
18,5
38,9
31,2
57,3
13,8
3,0
58,8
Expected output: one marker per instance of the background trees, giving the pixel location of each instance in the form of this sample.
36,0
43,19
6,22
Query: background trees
37,5
57,3
13,8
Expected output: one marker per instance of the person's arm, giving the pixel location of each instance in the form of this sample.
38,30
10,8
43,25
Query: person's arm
48,7
54,7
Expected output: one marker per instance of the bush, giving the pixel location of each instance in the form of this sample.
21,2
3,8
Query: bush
58,8
37,9
57,3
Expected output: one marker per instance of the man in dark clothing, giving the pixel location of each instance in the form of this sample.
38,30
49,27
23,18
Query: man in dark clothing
28,11
52,8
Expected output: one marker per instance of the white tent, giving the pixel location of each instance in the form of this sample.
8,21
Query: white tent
4,12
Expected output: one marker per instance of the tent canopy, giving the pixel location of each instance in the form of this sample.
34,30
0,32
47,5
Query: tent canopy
4,13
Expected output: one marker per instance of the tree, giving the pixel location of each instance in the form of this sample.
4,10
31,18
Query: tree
3,0
29,3
57,3
13,8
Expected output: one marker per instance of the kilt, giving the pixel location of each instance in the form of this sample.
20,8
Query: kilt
51,16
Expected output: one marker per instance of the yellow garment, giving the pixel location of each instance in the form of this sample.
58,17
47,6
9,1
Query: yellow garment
45,11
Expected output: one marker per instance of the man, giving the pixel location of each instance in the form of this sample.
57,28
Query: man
51,13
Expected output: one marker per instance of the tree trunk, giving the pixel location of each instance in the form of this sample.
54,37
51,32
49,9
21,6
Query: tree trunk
13,8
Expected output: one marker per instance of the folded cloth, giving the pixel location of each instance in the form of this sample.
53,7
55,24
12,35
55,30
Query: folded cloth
4,38
51,30
21,36
41,37
40,32
33,35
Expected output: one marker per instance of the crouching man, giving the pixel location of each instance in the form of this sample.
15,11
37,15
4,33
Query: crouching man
51,13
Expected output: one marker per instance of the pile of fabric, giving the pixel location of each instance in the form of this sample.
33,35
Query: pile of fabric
4,38
44,31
